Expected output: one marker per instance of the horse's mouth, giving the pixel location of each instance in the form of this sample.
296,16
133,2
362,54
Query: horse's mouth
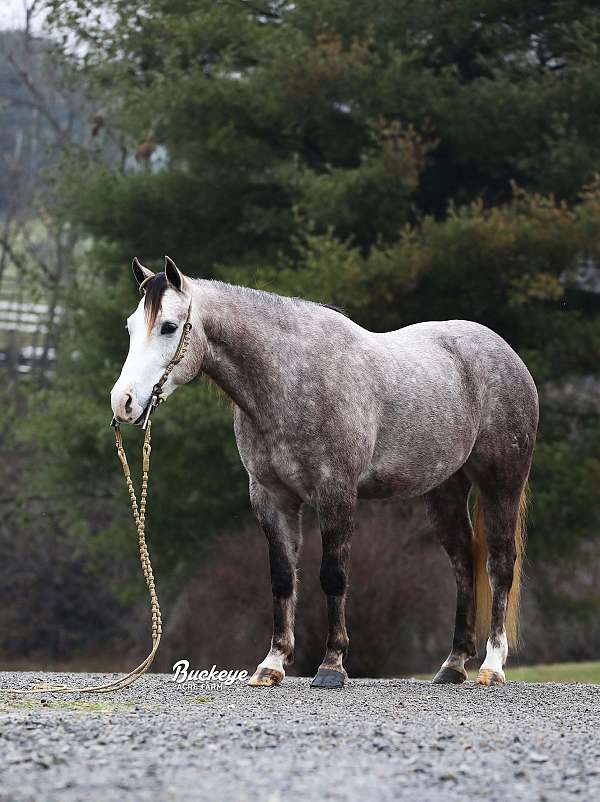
119,421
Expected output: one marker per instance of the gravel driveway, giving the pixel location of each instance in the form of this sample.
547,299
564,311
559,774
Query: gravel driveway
374,740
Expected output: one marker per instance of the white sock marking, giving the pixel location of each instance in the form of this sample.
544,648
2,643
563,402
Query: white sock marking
274,661
495,656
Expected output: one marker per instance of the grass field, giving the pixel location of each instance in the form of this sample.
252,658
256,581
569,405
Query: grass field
551,672
555,672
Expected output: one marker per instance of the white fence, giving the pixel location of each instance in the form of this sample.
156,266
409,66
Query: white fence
24,329
25,318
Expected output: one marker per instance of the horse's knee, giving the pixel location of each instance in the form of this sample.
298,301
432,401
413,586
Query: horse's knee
283,581
283,570
334,579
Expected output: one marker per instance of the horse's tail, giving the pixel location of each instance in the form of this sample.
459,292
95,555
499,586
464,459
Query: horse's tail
483,592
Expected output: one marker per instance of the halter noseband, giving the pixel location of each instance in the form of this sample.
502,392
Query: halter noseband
156,396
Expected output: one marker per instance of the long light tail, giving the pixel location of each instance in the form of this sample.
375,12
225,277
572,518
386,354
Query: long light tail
483,592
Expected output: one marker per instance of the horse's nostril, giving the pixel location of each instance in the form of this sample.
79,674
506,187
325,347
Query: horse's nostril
128,403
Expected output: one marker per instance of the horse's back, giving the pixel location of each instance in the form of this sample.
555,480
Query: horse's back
481,356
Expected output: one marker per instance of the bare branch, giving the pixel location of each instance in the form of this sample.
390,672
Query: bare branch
38,98
17,260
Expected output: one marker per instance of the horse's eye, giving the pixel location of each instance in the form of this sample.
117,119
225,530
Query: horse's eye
168,328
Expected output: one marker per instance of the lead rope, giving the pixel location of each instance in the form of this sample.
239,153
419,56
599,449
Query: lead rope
139,516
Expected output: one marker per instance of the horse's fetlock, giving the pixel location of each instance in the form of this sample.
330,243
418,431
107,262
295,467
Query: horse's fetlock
285,647
338,645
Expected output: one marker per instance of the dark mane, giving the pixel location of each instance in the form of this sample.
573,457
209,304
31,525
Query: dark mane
154,291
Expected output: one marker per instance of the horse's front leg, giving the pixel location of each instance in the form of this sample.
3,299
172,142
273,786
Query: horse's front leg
336,518
283,531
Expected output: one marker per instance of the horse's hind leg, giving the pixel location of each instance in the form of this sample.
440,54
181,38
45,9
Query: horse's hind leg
283,532
448,511
502,510
499,467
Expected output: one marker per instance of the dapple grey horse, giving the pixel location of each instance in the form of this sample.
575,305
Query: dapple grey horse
326,412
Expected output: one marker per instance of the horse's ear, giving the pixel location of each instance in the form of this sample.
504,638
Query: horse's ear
173,274
140,272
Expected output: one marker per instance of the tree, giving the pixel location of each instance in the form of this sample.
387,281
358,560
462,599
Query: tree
408,161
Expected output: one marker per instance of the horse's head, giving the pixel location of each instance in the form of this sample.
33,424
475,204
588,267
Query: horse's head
155,330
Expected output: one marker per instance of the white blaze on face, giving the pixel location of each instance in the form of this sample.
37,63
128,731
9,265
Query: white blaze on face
149,354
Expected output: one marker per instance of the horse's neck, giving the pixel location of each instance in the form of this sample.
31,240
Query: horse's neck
244,332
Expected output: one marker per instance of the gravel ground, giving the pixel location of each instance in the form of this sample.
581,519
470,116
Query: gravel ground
374,740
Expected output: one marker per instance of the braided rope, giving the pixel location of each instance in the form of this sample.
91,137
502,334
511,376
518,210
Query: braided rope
139,516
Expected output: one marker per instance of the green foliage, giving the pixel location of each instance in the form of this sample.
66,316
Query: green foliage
407,161
355,111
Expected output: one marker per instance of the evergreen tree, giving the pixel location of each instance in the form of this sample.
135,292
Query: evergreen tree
407,160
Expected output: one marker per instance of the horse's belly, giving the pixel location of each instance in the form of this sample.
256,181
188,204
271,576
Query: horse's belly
384,481
415,469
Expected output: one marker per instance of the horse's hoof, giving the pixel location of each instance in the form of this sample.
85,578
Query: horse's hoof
265,678
329,678
449,676
488,677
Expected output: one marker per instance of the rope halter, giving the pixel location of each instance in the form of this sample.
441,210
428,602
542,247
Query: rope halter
156,396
